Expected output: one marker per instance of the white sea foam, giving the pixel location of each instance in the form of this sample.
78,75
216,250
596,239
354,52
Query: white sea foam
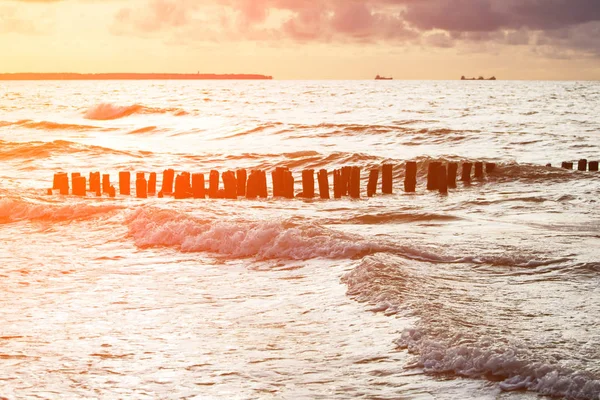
260,239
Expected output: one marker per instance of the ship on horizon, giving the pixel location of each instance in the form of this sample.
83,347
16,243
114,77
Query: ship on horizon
382,78
481,78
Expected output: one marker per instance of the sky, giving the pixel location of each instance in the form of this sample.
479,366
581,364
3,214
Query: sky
306,39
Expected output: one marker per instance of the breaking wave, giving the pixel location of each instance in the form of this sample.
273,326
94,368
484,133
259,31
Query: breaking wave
444,341
263,240
107,111
15,209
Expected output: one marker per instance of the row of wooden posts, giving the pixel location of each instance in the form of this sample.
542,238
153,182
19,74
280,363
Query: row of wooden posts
582,165
346,182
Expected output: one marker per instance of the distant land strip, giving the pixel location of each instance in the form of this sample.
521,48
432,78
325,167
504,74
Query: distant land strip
33,76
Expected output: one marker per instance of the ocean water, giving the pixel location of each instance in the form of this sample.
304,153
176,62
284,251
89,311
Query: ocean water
490,292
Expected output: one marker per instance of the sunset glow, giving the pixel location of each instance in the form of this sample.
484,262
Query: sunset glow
299,39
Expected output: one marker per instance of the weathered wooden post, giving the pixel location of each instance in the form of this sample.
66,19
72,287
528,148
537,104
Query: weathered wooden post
337,184
432,175
442,179
288,184
278,178
230,185
354,188
490,168
387,179
308,183
478,170
466,172
79,185
251,185
125,183
241,182
61,182
410,177
372,184
179,187
213,184
95,182
594,166
567,165
582,165
106,183
263,191
141,186
168,180
451,177
112,192
152,183
346,174
198,190
323,184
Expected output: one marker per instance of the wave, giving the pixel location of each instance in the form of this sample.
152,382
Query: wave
263,240
37,150
107,111
15,209
50,125
458,341
516,367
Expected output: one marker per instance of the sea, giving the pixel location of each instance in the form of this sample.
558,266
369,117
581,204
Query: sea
489,292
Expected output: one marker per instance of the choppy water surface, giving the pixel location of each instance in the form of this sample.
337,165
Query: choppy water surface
491,292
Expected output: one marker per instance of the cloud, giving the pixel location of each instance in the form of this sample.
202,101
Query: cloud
437,23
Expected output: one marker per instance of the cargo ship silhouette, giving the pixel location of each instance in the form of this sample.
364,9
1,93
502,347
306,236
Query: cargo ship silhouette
481,78
382,78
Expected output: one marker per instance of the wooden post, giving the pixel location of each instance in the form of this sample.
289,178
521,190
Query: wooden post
442,179
478,170
167,183
141,186
451,177
198,190
567,165
79,185
323,184
251,185
61,182
213,184
337,184
278,178
152,183
346,174
230,185
432,175
490,168
410,179
372,185
594,166
308,183
387,178
288,184
466,172
95,182
106,183
112,192
241,182
179,187
354,188
125,183
582,165
263,191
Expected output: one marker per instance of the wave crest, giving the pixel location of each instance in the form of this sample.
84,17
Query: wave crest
108,111
263,240
14,209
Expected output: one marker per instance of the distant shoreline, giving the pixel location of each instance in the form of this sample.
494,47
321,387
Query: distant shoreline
33,76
